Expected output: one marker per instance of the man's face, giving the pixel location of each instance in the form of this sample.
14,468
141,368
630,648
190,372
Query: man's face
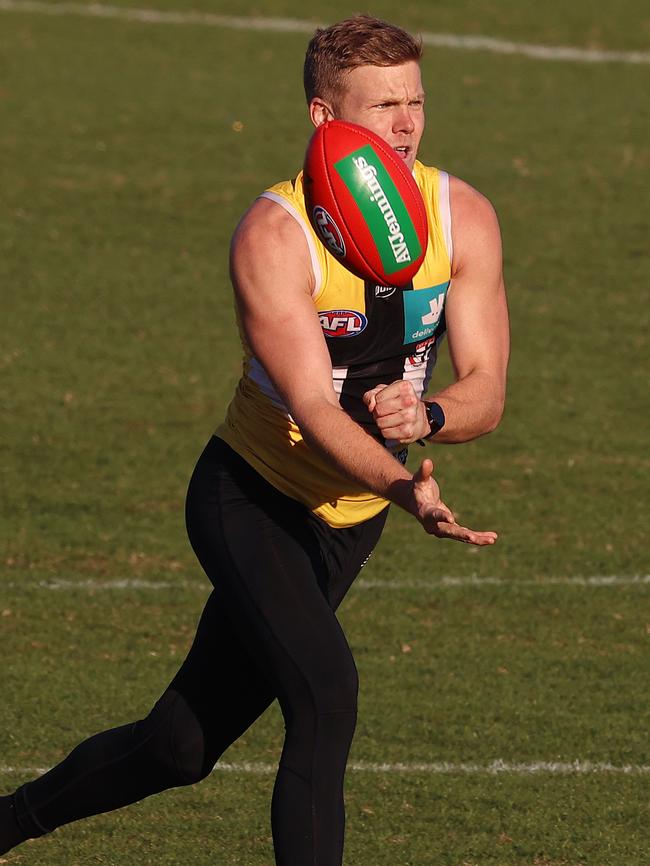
388,100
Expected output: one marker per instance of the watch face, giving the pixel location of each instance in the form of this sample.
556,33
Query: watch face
436,417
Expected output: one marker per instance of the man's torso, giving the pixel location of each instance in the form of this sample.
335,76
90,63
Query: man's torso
374,334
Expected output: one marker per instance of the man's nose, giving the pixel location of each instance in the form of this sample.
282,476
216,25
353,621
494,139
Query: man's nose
403,121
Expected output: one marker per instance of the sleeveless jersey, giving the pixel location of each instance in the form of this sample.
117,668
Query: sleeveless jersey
375,334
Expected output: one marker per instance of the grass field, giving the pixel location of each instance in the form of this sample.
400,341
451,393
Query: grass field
128,151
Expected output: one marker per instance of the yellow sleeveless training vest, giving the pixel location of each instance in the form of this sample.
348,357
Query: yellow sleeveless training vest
374,334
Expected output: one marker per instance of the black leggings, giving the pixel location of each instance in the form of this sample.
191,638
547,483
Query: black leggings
268,630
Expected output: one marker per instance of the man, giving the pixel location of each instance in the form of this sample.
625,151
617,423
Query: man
289,498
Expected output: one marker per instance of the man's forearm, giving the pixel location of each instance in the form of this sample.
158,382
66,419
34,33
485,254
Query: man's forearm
473,406
327,429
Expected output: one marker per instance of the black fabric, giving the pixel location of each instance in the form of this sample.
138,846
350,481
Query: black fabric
11,833
268,630
378,354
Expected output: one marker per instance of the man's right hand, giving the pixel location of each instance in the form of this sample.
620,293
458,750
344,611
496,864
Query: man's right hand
434,515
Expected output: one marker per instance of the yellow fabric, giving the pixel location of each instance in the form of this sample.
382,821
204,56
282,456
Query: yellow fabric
260,430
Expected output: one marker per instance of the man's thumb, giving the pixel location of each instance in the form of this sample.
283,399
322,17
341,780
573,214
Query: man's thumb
425,471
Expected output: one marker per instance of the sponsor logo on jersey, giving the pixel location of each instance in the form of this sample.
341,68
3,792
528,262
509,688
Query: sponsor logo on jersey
385,291
422,311
423,345
342,323
328,231
422,352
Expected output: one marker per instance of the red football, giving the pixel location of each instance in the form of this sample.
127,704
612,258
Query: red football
364,203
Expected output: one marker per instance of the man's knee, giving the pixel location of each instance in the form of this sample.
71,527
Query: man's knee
173,740
337,692
326,708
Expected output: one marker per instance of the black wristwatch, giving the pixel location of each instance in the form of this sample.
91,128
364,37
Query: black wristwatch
435,417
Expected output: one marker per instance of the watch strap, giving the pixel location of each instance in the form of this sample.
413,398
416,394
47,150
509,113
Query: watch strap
435,417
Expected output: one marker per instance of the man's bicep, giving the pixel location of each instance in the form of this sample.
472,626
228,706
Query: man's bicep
273,280
476,309
477,325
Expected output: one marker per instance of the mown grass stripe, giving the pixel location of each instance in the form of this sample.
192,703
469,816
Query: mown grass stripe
454,41
92,585
496,767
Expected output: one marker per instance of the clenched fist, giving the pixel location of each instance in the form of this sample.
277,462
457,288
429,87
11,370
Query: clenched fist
398,412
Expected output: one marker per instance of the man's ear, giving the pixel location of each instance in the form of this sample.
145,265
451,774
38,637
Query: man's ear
320,111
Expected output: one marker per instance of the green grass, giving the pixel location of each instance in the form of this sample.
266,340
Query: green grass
122,177
412,821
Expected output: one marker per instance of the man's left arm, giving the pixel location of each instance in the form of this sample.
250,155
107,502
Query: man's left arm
477,326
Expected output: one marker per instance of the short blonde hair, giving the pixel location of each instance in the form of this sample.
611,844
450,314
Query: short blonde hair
358,41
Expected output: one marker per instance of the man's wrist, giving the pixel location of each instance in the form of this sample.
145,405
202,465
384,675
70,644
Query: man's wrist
435,416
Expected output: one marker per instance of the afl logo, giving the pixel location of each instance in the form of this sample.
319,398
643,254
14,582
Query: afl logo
329,231
342,323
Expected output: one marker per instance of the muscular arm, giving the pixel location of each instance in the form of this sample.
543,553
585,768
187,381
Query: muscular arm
272,278
477,326
477,320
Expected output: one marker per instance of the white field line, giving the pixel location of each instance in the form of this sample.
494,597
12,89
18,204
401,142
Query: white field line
118,584
496,767
444,582
295,25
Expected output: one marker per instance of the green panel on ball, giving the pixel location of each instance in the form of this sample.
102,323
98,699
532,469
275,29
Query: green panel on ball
382,207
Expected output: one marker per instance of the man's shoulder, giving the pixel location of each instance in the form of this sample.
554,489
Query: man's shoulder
266,219
290,189
460,191
289,196
466,195
272,224
475,226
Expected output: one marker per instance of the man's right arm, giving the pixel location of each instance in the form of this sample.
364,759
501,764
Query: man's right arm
273,282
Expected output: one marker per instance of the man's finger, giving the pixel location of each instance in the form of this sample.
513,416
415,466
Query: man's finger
370,397
450,518
395,406
440,516
396,427
400,396
461,533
